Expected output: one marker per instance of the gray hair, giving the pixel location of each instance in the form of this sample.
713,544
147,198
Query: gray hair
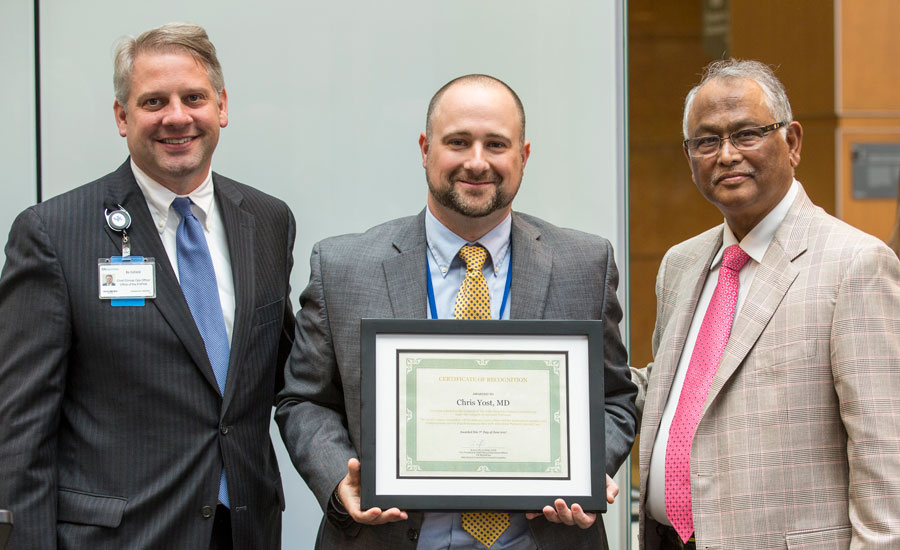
760,73
485,80
180,37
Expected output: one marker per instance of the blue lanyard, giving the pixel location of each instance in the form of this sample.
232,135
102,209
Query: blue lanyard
431,301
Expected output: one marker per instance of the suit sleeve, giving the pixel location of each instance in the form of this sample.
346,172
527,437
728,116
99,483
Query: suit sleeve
310,410
865,352
286,340
35,336
641,376
620,391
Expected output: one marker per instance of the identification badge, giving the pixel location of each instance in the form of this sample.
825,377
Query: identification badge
126,281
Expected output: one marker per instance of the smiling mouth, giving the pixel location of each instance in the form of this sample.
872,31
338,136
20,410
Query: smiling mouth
176,141
732,177
472,182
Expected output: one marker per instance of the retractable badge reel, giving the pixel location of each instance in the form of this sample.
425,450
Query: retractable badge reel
120,220
125,280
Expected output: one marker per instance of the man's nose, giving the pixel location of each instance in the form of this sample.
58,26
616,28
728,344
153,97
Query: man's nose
728,153
477,162
176,114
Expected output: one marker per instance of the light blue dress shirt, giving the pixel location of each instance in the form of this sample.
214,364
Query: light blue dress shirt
443,530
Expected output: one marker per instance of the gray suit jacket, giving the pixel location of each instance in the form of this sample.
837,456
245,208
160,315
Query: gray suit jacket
798,445
112,429
557,274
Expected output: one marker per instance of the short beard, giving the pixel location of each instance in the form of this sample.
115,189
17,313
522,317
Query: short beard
450,198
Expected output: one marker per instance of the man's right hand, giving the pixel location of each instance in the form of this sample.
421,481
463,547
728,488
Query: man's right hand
348,494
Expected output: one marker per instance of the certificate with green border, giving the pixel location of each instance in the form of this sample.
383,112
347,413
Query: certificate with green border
482,413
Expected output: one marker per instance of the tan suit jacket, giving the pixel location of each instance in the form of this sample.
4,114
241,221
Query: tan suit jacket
799,442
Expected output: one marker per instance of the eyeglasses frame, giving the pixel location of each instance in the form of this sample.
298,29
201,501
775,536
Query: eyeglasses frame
766,130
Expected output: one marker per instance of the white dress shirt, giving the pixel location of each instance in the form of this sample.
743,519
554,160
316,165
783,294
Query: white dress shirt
159,201
755,245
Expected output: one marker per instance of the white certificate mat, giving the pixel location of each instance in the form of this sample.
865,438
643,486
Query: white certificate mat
482,414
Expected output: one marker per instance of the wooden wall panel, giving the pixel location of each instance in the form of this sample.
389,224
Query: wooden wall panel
797,39
875,216
869,102
817,161
869,46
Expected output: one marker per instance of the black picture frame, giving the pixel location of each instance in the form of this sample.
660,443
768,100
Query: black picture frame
493,493
6,524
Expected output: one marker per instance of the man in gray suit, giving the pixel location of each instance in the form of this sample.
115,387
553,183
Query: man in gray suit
474,153
134,417
777,424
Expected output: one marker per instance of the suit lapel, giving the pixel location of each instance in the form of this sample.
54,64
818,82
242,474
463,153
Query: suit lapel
773,278
532,263
695,268
405,273
239,230
122,189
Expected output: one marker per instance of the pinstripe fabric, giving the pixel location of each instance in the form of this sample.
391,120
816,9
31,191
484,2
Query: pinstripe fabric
381,274
110,417
799,442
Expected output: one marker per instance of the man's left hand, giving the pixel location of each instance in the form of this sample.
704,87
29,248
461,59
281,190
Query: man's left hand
561,513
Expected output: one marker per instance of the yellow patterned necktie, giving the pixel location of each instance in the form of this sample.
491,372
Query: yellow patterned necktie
486,527
474,302
474,299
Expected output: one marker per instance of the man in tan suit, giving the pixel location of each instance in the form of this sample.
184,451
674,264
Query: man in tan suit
771,411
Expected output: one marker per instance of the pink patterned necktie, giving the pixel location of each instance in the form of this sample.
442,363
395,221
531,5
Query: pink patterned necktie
711,340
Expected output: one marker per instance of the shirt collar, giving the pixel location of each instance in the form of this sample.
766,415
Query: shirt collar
757,241
159,198
445,244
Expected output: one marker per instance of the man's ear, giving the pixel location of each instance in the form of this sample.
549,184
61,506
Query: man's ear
120,115
794,139
423,147
223,109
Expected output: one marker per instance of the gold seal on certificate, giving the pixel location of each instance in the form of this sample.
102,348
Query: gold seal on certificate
482,414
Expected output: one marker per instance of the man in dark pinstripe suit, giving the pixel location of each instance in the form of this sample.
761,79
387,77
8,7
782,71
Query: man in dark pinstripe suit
114,429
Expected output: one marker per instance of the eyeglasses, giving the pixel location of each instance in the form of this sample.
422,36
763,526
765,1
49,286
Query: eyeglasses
745,139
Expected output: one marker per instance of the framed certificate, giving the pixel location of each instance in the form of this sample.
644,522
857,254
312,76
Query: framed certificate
463,415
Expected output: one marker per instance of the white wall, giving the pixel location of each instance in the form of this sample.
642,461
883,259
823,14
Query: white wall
326,102
17,132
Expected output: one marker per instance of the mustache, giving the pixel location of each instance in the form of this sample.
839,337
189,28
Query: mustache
488,176
732,173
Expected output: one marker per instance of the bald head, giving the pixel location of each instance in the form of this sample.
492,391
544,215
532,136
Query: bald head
474,80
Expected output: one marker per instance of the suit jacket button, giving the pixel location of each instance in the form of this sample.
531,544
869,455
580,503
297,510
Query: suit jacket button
412,534
224,429
206,512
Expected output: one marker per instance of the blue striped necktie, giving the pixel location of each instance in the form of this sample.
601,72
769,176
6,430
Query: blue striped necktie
198,283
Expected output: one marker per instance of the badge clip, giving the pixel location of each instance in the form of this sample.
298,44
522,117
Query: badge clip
120,220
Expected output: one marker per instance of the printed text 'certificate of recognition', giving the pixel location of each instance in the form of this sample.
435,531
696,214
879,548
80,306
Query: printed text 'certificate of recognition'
465,414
